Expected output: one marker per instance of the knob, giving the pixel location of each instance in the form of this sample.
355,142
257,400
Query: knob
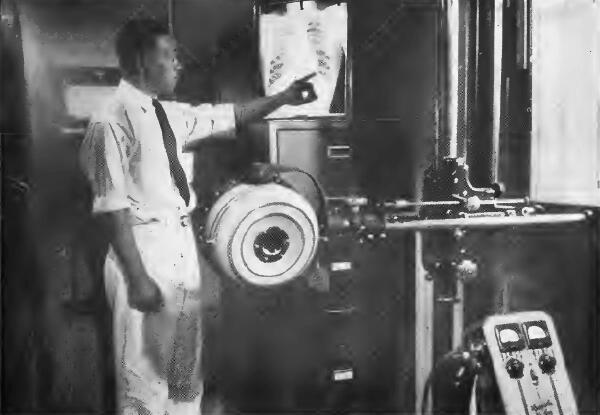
473,203
547,363
466,270
459,233
515,368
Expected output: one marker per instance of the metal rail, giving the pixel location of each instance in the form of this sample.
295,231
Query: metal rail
487,222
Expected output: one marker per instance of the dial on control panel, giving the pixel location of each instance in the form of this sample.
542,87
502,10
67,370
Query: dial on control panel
537,334
515,367
547,363
510,338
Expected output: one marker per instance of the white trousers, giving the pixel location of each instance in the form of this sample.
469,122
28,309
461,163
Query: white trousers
158,354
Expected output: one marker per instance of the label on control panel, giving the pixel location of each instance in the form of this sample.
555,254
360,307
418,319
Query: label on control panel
543,408
537,334
341,266
510,338
340,375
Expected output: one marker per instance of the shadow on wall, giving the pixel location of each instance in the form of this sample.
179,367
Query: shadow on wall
19,286
70,355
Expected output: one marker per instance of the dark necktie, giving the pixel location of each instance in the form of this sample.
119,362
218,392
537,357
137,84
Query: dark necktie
171,148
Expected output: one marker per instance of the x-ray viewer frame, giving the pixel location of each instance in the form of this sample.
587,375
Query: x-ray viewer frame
259,8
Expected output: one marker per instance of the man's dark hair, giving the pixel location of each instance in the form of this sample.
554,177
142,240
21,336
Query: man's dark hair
135,38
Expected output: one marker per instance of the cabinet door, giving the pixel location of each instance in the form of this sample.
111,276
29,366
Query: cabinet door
321,150
565,101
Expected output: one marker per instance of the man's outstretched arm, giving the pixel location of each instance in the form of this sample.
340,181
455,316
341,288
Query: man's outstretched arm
298,93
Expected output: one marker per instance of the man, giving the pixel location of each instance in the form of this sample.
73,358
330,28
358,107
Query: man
133,156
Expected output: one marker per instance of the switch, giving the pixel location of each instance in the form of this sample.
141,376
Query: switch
534,378
515,367
547,363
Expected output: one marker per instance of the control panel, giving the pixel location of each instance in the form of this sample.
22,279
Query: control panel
529,364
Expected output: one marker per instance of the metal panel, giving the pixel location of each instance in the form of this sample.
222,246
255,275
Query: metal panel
565,101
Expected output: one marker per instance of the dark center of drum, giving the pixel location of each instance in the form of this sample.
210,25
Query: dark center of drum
271,245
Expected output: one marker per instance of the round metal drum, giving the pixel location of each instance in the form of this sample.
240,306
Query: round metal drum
264,234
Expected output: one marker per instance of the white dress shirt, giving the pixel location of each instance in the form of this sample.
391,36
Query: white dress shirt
124,157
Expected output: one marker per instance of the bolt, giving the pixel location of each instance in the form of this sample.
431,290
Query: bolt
459,233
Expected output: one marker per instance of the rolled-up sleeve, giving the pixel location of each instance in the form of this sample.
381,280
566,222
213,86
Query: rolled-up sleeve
208,120
102,160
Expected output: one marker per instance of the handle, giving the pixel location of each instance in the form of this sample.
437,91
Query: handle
72,130
339,152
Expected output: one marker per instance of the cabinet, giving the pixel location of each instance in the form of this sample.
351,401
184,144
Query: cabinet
318,147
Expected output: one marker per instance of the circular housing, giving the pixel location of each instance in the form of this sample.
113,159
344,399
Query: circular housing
264,234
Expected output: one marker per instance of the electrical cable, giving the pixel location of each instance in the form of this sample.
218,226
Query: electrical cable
473,399
429,380
321,214
455,354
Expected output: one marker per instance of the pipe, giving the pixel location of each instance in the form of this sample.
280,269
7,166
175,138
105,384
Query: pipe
399,204
403,203
424,319
497,82
452,17
487,222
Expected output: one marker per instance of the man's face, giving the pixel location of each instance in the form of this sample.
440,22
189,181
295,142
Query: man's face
161,66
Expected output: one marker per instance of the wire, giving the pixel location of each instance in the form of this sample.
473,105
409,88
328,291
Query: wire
456,353
322,211
426,388
429,380
473,399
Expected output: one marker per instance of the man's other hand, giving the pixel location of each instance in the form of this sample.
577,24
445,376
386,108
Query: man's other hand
144,295
300,91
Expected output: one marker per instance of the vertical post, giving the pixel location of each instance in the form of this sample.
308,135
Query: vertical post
423,326
535,159
170,16
465,77
458,315
452,19
522,34
595,271
497,83
5,19
424,288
